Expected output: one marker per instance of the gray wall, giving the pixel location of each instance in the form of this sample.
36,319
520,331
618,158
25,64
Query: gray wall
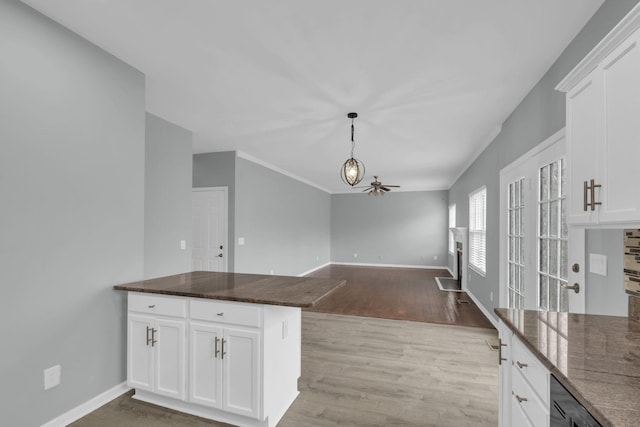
72,127
219,170
403,228
540,115
605,294
167,207
285,223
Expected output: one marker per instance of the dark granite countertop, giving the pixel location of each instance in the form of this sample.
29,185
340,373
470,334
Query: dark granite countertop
597,358
252,288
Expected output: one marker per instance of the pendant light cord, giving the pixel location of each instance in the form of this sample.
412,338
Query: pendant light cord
353,143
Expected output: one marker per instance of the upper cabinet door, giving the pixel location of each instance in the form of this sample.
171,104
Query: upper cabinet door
620,146
583,128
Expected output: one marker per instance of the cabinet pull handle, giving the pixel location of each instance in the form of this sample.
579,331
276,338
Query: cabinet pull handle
593,194
223,352
521,399
521,365
216,351
152,306
585,197
153,337
500,358
221,313
148,339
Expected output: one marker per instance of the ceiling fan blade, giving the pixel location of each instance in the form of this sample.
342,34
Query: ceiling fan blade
384,189
367,189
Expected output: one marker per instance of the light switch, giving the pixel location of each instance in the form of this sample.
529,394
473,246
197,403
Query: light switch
598,264
52,377
240,241
183,245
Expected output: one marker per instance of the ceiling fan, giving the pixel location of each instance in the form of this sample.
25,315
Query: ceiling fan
377,188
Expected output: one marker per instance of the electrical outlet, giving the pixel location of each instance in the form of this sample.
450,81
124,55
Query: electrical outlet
183,245
271,271
491,296
285,329
240,241
52,377
355,255
435,257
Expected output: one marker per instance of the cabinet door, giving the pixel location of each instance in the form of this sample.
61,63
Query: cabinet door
583,126
241,372
169,370
205,367
504,417
621,142
139,352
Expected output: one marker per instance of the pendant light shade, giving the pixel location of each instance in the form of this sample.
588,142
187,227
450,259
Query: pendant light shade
352,170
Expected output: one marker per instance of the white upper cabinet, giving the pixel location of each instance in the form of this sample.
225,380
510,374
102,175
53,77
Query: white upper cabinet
603,130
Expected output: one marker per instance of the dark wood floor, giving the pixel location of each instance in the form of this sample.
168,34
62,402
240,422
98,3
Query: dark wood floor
397,293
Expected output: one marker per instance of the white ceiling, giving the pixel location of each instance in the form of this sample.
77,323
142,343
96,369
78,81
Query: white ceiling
432,81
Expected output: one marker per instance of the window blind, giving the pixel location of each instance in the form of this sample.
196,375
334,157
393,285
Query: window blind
477,229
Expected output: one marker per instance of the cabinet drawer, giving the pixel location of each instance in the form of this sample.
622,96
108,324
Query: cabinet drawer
227,312
158,304
531,369
525,399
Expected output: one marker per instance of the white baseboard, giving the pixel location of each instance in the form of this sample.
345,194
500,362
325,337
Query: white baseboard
450,272
483,309
314,269
87,407
359,264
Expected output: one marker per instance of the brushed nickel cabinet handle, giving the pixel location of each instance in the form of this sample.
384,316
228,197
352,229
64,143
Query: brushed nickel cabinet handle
148,339
216,351
500,358
153,337
152,306
521,365
221,313
223,352
593,194
585,196
521,399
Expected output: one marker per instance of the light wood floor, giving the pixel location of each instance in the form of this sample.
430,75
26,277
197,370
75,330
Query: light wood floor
360,371
398,293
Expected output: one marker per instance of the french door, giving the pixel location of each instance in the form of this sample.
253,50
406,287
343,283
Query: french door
541,258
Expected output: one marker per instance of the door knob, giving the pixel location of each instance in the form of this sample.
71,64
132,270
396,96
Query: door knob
575,287
575,268
219,255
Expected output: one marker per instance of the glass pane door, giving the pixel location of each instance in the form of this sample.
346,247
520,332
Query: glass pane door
515,243
552,238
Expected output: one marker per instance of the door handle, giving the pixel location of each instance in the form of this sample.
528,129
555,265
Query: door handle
216,351
593,194
219,255
148,339
521,365
223,352
585,196
575,287
521,399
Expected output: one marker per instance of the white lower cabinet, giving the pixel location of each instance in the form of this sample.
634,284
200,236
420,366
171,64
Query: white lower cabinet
156,355
233,362
524,384
224,368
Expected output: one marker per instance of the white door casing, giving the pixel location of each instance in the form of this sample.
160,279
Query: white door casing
527,166
209,241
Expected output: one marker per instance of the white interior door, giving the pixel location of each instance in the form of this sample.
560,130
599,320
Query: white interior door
209,229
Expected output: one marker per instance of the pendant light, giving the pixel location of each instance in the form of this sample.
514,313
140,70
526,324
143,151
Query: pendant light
352,170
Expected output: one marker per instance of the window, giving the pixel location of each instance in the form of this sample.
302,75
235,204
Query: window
452,224
477,230
516,243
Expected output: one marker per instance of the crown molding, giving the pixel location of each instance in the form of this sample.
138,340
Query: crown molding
249,157
619,33
492,135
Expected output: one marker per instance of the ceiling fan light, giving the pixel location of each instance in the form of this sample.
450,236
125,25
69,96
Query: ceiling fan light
352,171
